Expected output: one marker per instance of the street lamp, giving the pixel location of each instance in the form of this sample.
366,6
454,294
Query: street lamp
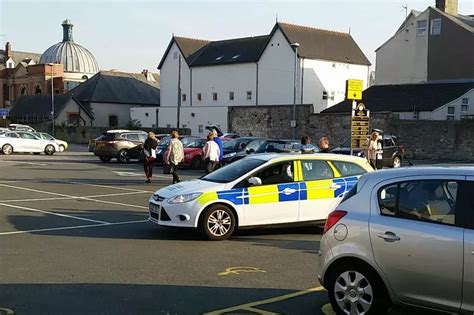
293,122
52,97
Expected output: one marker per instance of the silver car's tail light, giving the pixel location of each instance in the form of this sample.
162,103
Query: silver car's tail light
333,218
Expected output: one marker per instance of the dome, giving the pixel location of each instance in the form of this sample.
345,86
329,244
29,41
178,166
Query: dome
74,57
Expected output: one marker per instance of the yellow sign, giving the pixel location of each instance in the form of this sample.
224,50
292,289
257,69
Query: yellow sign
354,89
238,270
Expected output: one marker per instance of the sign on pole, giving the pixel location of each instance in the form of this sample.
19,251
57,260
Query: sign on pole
360,130
5,112
354,89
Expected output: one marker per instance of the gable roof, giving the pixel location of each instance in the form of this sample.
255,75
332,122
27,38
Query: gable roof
238,50
19,56
117,88
407,97
187,46
40,105
323,44
465,21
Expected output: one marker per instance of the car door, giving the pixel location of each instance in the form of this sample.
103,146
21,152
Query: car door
389,149
417,240
136,146
467,202
277,199
30,143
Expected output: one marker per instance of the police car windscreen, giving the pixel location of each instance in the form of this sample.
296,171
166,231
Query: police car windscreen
233,171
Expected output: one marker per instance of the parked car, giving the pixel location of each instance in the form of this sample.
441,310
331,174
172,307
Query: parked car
92,143
392,155
63,145
20,127
402,236
230,136
223,135
193,154
260,190
239,148
122,145
164,144
26,142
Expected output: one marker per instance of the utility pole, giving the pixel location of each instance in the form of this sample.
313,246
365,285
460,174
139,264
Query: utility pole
293,121
52,98
179,92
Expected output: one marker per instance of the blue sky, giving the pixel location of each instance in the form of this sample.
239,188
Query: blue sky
133,35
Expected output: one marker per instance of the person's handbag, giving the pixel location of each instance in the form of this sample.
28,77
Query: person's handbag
166,168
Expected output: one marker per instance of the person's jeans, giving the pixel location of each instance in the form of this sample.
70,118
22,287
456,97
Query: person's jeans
174,172
148,166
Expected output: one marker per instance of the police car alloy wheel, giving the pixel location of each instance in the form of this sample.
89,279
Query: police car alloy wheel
217,223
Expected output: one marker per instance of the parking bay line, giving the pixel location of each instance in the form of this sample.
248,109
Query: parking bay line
71,227
103,186
266,301
74,197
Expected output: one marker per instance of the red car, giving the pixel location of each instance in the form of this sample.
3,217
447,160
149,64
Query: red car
193,154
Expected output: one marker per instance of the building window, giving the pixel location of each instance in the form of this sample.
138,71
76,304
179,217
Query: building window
325,95
416,115
184,126
38,90
465,101
73,119
214,96
451,112
168,126
421,28
201,128
332,95
436,27
175,55
249,95
199,97
146,115
84,77
23,91
231,96
183,97
113,121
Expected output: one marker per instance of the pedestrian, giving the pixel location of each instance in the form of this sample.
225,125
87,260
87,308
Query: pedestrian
306,145
149,155
373,148
221,149
211,153
174,155
323,145
379,162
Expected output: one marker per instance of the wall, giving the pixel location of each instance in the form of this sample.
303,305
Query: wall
145,115
72,107
403,58
423,139
102,111
169,78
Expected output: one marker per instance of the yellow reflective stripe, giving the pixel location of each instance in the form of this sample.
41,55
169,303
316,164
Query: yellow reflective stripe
334,169
319,189
263,194
207,197
298,171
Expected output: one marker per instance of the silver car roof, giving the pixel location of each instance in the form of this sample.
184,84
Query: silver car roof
454,170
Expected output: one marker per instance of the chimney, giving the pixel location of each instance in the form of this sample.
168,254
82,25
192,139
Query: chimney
145,73
448,6
8,50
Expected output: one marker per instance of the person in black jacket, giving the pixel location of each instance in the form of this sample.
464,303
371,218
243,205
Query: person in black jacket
149,151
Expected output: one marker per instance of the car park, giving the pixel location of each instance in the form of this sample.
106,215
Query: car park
26,142
240,147
392,156
122,145
63,145
261,190
401,237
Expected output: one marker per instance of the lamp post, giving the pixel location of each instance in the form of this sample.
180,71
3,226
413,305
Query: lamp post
52,98
293,122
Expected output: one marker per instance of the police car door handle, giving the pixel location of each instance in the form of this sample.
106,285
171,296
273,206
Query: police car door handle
289,191
335,186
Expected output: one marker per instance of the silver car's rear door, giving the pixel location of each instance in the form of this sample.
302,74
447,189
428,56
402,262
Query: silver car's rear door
416,242
468,287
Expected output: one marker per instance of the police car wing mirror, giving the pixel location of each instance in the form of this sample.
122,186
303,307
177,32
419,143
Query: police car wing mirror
254,181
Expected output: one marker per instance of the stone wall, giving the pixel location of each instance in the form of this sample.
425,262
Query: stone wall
423,139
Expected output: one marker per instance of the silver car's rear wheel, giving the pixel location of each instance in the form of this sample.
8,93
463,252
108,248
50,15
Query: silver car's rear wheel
7,149
49,149
353,293
61,148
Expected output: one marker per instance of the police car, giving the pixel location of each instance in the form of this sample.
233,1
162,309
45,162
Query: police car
261,190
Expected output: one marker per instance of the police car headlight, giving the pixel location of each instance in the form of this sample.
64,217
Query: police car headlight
184,198
229,155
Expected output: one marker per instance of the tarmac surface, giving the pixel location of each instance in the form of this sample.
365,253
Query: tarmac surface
74,239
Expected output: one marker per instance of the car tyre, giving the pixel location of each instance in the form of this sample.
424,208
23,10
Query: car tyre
123,156
217,223
397,162
49,150
7,149
105,159
61,148
197,163
355,285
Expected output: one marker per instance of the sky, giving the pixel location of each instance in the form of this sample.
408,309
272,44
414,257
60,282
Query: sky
133,35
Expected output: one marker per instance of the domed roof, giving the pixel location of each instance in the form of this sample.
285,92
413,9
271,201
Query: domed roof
74,57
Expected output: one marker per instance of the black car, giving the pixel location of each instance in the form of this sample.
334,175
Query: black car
392,155
271,146
236,148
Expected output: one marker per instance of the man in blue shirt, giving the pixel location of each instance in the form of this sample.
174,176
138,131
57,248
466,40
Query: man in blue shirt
219,144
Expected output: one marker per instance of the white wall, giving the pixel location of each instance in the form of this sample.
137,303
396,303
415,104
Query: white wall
404,58
442,112
73,108
102,111
193,117
329,76
145,115
169,78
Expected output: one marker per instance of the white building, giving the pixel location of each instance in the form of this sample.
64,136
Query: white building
255,71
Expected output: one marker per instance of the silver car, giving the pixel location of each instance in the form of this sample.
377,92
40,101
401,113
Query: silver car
402,236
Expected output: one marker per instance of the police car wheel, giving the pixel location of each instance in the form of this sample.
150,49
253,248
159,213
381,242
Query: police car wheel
217,223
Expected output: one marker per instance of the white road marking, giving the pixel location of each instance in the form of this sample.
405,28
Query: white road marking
74,197
103,186
71,227
67,198
52,213
128,174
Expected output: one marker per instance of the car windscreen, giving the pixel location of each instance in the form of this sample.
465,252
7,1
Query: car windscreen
236,144
46,136
107,137
275,146
198,143
233,171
